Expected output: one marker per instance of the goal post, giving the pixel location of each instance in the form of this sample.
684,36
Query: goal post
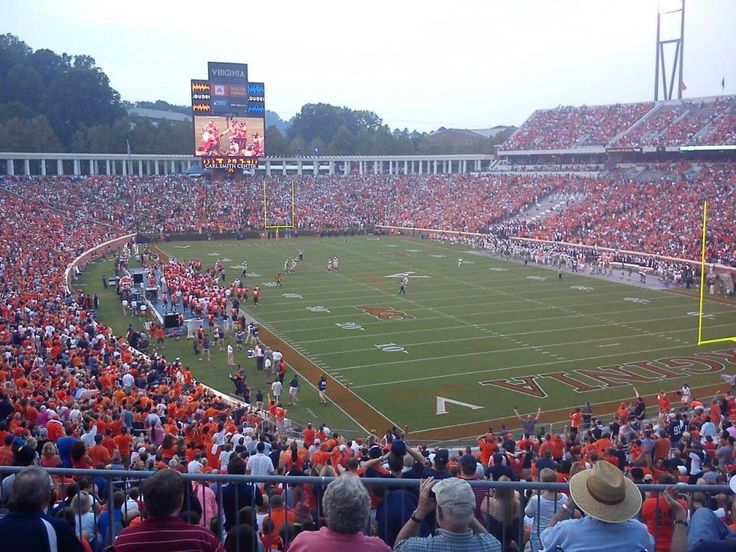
703,285
273,198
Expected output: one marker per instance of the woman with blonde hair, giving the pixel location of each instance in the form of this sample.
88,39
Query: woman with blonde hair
84,518
542,506
503,512
50,456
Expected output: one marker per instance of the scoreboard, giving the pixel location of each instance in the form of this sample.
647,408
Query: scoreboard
228,114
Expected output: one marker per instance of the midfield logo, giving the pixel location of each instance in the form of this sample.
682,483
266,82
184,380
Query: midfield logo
385,313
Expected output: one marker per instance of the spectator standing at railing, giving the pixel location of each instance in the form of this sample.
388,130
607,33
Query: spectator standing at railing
241,494
542,506
163,530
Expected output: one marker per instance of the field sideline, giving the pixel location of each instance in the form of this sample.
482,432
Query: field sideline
490,335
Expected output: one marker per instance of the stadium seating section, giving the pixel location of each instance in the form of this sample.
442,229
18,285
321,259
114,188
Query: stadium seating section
707,121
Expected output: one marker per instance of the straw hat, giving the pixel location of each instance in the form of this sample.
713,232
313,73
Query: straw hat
605,494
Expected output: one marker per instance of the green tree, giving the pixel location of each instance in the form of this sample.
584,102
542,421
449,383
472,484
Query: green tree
70,92
343,143
28,135
275,143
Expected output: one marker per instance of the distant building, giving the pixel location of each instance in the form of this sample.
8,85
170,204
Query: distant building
464,136
460,135
155,115
493,131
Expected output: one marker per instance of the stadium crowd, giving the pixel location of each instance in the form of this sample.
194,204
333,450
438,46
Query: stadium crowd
662,217
75,395
659,216
708,121
567,126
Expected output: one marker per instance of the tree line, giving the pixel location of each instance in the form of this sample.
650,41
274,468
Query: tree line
60,102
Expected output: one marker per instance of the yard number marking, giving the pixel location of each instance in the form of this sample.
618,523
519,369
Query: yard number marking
391,348
349,326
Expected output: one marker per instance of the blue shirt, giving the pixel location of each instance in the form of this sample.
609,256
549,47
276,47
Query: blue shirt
103,525
64,447
705,526
592,535
445,541
392,513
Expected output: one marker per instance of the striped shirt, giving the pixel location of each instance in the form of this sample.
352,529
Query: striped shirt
167,535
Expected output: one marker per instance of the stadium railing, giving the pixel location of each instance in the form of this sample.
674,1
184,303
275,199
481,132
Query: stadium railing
126,479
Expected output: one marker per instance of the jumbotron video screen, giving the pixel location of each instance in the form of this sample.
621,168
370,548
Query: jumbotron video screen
229,136
228,114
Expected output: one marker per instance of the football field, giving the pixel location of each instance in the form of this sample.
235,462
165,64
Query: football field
464,346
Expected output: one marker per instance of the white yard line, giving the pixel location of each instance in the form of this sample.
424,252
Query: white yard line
487,337
353,299
513,367
442,328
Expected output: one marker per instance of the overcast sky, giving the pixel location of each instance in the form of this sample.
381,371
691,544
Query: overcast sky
417,64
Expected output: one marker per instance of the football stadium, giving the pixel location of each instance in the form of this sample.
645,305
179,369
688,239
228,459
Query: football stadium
228,325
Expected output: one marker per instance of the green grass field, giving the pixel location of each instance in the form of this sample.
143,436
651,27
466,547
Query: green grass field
492,335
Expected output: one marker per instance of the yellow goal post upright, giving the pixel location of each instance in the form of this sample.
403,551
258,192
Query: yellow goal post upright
267,225
702,341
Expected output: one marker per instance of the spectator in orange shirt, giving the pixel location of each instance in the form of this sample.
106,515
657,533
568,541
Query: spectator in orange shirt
662,446
123,442
622,412
98,454
279,515
576,417
309,435
658,517
488,445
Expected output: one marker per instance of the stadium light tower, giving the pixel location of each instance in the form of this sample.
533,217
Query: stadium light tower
670,9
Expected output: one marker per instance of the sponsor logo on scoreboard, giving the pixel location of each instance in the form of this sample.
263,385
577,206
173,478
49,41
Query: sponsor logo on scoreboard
237,90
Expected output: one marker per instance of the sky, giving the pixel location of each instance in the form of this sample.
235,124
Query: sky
417,64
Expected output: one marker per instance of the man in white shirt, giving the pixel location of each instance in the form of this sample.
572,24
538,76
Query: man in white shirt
88,438
276,388
128,381
260,464
267,369
152,419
